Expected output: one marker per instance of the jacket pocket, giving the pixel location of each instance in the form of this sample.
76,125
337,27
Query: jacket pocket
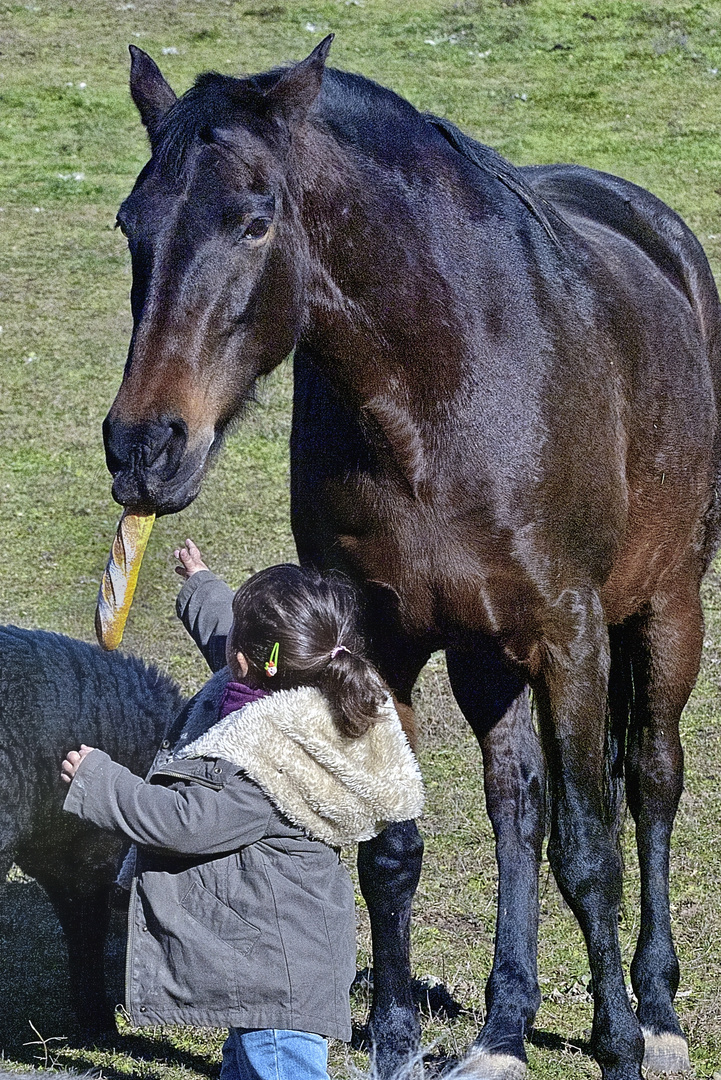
219,919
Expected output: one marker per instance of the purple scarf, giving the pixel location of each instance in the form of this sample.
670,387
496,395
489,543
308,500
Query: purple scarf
236,695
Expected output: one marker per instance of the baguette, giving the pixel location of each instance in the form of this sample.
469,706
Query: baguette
120,577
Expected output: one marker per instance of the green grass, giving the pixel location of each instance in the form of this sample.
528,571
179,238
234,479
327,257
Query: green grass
630,87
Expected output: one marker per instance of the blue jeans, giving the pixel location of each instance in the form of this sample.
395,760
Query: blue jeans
274,1054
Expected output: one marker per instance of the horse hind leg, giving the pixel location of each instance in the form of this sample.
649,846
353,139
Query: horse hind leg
493,696
665,652
571,698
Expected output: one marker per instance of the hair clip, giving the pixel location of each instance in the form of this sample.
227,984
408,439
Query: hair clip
338,648
271,666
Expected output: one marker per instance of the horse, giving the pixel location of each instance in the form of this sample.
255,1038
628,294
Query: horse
505,429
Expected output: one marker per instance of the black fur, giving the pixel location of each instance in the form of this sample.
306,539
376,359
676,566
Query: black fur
56,692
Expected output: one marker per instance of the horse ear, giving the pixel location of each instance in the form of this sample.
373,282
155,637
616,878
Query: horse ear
149,90
297,89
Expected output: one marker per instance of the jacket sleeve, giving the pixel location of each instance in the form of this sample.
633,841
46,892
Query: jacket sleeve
194,820
204,606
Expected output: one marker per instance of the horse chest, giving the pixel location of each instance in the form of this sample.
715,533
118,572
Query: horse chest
450,576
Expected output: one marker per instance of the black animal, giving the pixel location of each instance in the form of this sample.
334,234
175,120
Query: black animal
505,429
56,692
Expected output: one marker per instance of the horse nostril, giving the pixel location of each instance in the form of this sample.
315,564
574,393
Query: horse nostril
117,447
176,445
153,447
153,441
161,447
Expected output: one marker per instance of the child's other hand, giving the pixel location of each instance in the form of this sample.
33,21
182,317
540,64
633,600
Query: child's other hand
190,560
70,764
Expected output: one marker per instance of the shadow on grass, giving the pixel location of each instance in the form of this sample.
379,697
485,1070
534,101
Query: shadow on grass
34,986
548,1040
134,1048
35,1012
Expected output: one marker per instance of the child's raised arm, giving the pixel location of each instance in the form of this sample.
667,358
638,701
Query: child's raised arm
204,604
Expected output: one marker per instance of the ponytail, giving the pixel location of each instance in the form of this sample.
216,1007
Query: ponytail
355,691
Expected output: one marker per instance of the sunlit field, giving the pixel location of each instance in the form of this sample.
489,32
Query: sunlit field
629,87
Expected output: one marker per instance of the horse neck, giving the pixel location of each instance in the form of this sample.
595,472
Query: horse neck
380,316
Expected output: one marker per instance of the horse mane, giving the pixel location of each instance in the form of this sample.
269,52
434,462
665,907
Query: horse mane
491,162
378,121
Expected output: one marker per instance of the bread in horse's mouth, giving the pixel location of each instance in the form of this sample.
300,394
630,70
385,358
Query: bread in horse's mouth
120,577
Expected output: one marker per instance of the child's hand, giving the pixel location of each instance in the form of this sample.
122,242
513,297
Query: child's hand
70,765
190,559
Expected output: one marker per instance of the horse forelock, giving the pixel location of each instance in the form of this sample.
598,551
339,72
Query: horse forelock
215,101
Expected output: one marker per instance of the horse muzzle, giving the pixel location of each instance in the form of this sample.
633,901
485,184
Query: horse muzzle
155,468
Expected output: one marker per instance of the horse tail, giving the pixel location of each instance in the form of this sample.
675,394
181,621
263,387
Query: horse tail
620,709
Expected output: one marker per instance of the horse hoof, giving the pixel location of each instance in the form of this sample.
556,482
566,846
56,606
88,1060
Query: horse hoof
665,1053
478,1065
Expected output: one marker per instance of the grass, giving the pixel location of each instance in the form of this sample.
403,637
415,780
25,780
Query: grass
630,87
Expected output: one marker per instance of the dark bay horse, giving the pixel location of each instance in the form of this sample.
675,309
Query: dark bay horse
505,429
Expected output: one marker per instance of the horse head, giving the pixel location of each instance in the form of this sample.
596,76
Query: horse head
218,270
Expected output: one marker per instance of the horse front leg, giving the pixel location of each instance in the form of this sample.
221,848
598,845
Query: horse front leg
389,868
493,697
571,695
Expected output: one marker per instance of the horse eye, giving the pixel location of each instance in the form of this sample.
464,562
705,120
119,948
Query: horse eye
121,225
257,228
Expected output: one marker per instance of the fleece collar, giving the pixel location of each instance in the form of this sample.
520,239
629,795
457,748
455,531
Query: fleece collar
335,788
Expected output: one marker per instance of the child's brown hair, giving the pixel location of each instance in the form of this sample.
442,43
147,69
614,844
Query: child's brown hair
314,618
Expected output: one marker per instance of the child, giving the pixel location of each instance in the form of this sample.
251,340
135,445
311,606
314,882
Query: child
241,912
